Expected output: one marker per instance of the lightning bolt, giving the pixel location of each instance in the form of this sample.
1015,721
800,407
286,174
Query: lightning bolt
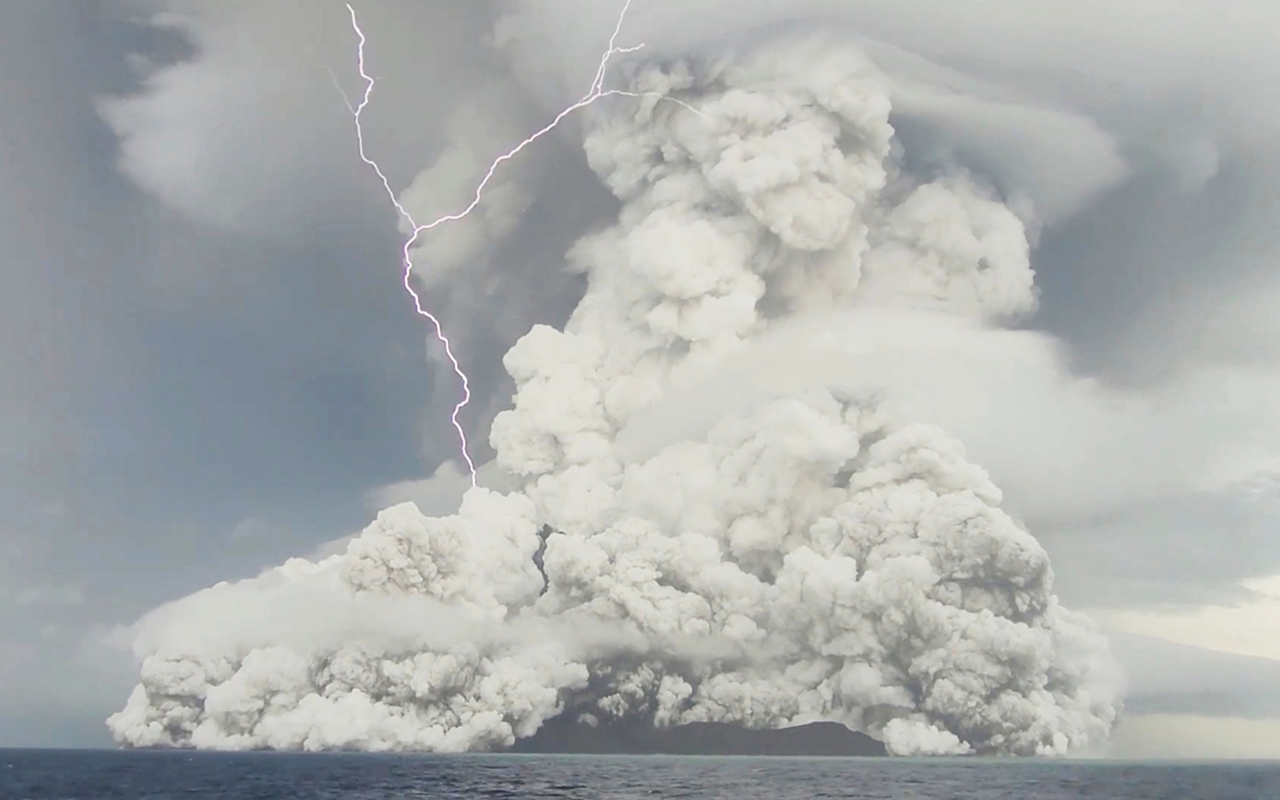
596,92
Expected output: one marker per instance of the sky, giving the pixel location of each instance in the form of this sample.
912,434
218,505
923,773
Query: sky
212,366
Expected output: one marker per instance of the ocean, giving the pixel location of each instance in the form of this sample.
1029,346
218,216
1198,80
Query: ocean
107,775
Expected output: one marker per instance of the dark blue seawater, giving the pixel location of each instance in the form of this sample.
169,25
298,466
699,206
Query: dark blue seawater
91,775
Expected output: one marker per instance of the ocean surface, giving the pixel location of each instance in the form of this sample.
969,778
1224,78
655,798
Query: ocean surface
90,775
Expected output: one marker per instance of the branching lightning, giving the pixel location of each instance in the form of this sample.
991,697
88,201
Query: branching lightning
596,92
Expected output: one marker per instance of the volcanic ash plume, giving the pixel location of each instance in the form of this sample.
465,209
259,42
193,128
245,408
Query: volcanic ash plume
808,557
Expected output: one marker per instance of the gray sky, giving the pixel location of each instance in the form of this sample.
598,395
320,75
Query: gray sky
210,364
164,381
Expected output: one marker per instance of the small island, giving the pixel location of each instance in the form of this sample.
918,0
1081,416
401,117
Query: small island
563,735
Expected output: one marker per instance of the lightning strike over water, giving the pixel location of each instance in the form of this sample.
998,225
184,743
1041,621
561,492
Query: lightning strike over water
596,92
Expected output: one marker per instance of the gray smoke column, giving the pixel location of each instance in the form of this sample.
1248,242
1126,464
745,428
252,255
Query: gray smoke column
807,556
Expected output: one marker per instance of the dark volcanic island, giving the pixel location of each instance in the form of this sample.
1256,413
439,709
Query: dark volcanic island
562,735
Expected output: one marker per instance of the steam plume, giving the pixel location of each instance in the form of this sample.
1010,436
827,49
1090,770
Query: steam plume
811,556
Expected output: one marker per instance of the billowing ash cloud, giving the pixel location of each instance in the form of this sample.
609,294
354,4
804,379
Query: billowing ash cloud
809,556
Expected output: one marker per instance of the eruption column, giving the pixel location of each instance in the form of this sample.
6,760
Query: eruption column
596,92
793,548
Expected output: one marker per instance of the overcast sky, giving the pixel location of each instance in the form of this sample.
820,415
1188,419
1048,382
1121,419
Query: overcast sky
210,364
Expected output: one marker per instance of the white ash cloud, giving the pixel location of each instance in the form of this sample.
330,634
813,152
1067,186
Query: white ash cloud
809,556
